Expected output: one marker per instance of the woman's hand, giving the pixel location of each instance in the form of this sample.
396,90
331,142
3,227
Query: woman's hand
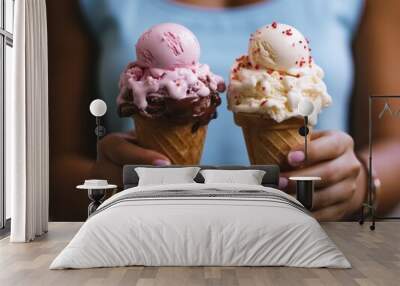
119,149
330,156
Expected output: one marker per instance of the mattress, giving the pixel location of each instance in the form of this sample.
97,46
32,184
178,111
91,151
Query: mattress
201,225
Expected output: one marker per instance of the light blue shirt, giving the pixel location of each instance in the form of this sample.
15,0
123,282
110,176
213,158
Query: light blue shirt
223,35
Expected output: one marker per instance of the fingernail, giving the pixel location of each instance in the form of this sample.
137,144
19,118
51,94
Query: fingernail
295,158
283,182
161,162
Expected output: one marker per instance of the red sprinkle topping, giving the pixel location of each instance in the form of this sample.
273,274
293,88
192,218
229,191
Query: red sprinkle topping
289,32
302,62
274,25
257,67
281,78
263,102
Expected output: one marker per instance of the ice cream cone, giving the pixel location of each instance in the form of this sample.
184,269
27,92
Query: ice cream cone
176,141
267,141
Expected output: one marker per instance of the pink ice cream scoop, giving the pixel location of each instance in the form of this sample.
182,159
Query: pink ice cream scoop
167,46
167,81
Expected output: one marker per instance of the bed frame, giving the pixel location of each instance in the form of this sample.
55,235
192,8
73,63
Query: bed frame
270,179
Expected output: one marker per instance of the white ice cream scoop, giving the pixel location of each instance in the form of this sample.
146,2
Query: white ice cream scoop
279,47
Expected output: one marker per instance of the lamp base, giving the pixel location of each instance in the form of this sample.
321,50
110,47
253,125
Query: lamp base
96,197
305,190
304,193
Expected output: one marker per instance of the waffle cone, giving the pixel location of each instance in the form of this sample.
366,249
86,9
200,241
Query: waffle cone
267,141
176,141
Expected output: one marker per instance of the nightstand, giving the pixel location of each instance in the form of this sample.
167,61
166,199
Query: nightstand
97,190
305,190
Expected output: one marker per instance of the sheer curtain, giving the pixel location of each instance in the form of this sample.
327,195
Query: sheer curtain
27,144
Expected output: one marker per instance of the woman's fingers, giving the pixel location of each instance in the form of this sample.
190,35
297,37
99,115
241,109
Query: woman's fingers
120,151
324,145
107,170
129,136
331,172
287,185
334,212
331,157
331,195
335,194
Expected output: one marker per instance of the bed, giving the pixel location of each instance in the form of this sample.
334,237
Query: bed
201,224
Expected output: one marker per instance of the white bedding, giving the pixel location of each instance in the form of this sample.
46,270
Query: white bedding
183,231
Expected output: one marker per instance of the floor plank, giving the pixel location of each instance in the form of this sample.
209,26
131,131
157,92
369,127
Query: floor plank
375,257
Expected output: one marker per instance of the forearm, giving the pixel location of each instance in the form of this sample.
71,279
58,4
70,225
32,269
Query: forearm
386,164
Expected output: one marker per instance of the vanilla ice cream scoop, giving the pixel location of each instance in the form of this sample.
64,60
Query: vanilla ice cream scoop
167,46
278,77
279,47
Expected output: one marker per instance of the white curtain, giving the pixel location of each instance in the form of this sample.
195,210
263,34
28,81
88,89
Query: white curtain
27,144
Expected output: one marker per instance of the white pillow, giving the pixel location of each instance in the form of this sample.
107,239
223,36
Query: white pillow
163,176
248,177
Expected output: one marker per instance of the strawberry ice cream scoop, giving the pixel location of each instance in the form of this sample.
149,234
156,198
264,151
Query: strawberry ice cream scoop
167,81
167,46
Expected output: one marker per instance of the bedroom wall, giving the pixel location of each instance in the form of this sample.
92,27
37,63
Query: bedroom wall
72,86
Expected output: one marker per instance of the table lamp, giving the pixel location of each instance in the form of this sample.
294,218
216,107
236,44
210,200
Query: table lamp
97,188
98,108
305,109
305,185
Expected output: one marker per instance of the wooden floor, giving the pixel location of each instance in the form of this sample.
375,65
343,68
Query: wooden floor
375,257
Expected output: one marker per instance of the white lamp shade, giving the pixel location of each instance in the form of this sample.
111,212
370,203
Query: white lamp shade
98,107
305,107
